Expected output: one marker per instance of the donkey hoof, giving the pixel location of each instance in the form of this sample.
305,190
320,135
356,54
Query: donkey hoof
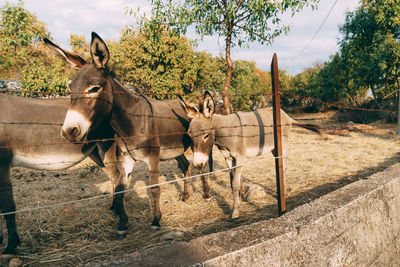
112,207
208,199
184,197
121,234
235,215
155,227
7,256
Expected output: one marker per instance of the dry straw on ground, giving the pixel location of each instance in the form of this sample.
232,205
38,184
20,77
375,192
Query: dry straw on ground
85,232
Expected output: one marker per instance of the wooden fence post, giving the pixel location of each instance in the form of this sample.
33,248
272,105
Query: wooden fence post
280,185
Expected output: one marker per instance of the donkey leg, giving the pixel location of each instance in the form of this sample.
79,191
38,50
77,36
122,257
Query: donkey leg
7,205
236,186
118,201
230,163
206,187
7,201
119,209
184,166
232,174
111,170
154,163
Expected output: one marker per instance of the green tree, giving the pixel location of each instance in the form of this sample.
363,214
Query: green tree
23,55
20,32
249,85
301,83
164,67
44,73
368,57
80,46
210,73
370,46
238,21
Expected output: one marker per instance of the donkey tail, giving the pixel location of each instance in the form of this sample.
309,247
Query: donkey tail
311,127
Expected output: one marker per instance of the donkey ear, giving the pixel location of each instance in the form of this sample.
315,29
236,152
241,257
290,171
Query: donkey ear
74,60
208,105
99,51
191,110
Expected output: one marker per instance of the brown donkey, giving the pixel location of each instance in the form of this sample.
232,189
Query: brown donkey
236,135
146,129
30,137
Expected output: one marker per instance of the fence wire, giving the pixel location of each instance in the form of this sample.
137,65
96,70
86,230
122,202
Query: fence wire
127,92
117,138
128,190
147,136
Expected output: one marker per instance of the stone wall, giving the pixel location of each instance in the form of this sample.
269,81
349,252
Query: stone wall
357,225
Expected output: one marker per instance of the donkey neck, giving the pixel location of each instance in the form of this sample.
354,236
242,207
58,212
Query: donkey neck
122,96
127,109
226,127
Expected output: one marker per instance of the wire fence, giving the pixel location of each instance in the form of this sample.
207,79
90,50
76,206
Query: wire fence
116,138
121,92
345,107
152,94
141,136
59,204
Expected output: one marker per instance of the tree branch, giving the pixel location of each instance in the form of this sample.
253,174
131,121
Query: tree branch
244,18
239,5
254,33
219,5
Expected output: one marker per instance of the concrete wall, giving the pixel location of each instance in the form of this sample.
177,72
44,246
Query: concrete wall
357,225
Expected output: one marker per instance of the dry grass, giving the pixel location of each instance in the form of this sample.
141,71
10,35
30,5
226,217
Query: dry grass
84,232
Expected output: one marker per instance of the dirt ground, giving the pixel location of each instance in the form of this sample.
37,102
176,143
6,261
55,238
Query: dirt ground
84,232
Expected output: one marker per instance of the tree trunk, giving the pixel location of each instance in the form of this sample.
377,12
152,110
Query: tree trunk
227,85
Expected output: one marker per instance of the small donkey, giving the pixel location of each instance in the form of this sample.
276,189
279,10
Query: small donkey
236,135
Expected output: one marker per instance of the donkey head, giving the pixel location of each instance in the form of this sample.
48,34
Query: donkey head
91,90
201,129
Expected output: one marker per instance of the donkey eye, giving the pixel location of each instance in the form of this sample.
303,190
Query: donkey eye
94,89
206,136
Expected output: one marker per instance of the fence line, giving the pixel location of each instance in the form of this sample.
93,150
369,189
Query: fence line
128,92
116,138
175,94
344,107
145,136
127,190
134,136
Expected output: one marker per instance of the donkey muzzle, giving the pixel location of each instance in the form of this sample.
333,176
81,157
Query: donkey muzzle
71,132
199,160
75,127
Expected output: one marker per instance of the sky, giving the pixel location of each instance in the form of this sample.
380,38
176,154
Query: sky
108,17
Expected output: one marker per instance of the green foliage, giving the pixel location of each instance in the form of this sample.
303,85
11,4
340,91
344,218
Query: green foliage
163,64
238,22
19,32
368,59
241,21
302,83
80,46
41,76
23,55
164,67
210,73
249,86
370,46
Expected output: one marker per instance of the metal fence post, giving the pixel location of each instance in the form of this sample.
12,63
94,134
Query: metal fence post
280,186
